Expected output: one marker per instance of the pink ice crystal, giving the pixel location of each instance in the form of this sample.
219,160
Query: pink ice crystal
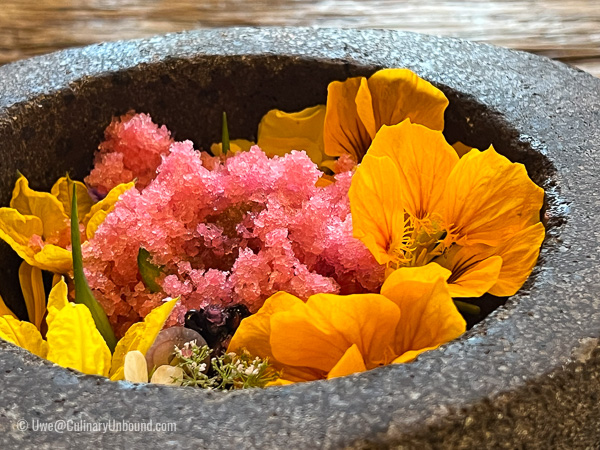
132,148
234,232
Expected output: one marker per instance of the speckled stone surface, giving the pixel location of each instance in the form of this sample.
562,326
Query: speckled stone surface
527,376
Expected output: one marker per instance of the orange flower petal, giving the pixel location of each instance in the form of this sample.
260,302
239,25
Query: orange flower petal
344,132
519,255
411,355
280,132
254,334
376,206
474,269
351,362
488,199
392,95
429,317
424,161
318,333
461,149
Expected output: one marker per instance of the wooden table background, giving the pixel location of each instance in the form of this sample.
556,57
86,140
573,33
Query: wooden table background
567,30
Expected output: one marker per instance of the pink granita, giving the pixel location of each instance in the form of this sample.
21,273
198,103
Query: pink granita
234,232
132,149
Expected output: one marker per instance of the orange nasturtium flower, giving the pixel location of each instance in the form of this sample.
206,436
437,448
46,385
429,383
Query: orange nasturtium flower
36,225
331,335
356,109
413,202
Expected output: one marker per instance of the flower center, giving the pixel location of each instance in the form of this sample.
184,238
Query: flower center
420,243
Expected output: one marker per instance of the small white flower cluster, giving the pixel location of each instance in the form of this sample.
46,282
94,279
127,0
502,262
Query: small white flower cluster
225,372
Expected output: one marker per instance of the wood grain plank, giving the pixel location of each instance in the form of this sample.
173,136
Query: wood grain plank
566,30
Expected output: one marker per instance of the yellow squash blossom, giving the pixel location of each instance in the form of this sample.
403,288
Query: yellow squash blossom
356,109
413,201
36,225
73,341
32,286
332,335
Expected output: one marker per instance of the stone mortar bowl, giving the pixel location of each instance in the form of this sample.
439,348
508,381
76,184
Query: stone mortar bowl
528,375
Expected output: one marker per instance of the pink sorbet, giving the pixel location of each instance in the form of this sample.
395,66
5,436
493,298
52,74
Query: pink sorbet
236,233
132,149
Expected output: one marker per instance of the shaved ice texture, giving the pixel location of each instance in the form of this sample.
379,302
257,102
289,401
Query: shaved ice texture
132,149
227,231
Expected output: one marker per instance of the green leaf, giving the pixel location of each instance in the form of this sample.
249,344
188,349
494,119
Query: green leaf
83,293
225,134
467,308
148,271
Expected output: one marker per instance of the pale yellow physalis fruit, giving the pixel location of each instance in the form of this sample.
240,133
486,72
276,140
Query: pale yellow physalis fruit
169,375
135,368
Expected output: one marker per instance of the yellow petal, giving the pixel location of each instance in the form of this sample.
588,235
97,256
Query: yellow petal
429,316
488,199
280,132
107,204
57,300
393,95
5,310
344,132
351,362
461,149
424,161
75,342
376,206
317,333
16,230
169,375
140,336
235,146
43,205
519,255
62,190
23,334
54,259
135,368
32,287
94,222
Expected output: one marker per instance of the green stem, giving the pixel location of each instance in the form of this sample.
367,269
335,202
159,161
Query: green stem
467,308
225,134
83,293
